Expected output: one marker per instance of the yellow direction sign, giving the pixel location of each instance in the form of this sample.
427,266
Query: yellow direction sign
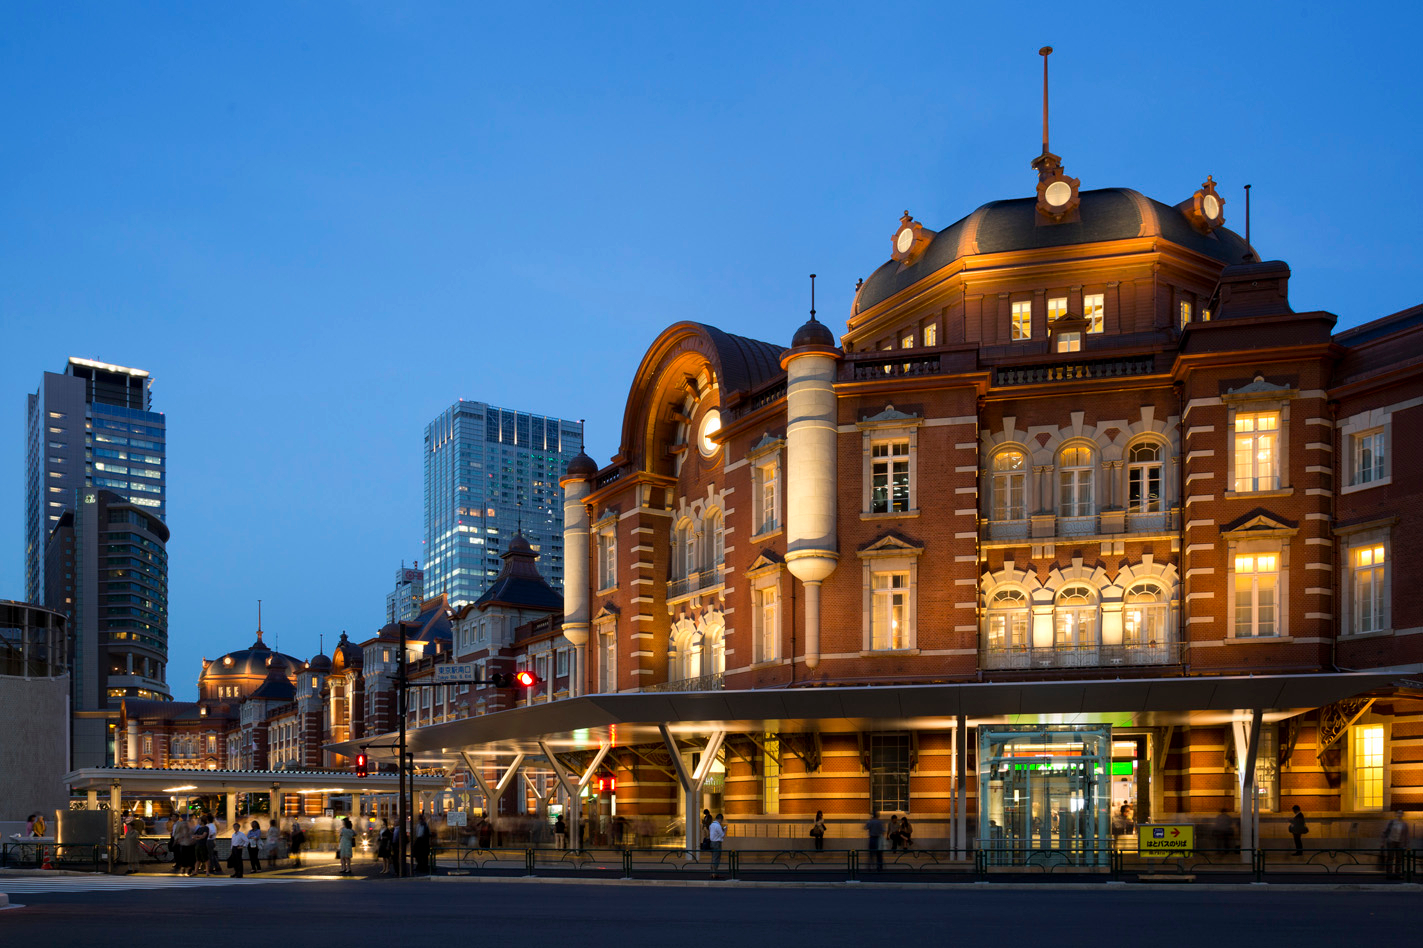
1166,839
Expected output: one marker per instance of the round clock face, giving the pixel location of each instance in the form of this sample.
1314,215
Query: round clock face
904,240
1058,193
1210,204
711,424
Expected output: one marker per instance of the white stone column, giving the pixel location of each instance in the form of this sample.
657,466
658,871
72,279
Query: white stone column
132,749
575,576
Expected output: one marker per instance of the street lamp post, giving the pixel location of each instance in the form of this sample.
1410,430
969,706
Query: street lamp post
403,812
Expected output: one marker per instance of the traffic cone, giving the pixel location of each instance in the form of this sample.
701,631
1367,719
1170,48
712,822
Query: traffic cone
47,864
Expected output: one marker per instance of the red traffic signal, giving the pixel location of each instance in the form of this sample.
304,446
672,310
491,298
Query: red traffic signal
362,765
526,679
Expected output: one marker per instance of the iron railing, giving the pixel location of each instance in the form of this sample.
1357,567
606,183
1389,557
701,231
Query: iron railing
695,582
1074,371
715,682
1079,656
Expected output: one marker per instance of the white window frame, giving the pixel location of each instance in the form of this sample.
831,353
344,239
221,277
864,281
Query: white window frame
1094,308
766,489
906,341
889,600
607,547
1068,620
1357,616
1056,309
887,428
1076,477
1002,632
1185,313
889,459
1258,560
931,334
1361,735
1144,468
1020,320
1255,481
886,561
606,630
1008,482
1067,342
1371,470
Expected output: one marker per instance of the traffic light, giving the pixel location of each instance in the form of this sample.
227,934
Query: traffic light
362,765
526,679
521,679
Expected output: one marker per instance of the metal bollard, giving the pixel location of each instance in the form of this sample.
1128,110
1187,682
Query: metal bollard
852,859
627,863
733,864
529,861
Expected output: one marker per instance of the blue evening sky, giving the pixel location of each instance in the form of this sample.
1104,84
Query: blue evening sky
319,224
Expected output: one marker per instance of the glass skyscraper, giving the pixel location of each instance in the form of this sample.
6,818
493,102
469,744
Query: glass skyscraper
489,470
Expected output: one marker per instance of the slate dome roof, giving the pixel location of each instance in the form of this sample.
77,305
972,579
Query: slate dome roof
813,333
582,466
1003,226
257,659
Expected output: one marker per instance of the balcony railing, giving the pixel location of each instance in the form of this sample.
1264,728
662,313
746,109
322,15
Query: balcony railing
701,683
1074,371
1008,529
701,579
900,367
760,400
1080,656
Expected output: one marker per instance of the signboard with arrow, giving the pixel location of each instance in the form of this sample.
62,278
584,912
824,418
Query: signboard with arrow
1166,839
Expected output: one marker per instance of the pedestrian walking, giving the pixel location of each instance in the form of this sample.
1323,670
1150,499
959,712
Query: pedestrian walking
235,854
346,845
817,831
875,829
297,838
383,847
274,843
214,866
560,833
716,834
202,844
254,846
132,836
420,846
1298,828
182,845
1395,843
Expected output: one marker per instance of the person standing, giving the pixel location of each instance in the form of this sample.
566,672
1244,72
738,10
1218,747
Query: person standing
182,844
817,831
560,833
1297,829
254,846
235,854
875,829
346,845
1395,842
297,838
132,836
383,847
716,834
274,843
420,848
201,845
214,865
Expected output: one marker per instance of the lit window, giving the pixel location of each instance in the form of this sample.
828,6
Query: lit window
1368,457
771,774
890,610
1144,478
1257,580
1205,315
907,341
1370,588
607,556
1068,341
1368,767
767,626
889,477
608,657
1010,474
1257,458
1185,313
889,773
1056,309
1074,482
1146,616
1093,306
931,334
1022,324
1075,618
1008,621
766,492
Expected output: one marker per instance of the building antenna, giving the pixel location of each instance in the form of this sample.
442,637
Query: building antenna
1247,217
812,296
1045,52
259,620
519,516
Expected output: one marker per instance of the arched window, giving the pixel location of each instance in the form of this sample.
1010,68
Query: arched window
683,551
1008,621
1074,482
1075,618
1144,482
1010,477
714,534
1146,616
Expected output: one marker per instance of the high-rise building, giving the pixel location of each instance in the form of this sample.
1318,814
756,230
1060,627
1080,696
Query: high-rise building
488,473
403,602
96,537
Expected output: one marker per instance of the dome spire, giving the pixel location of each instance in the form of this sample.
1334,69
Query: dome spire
812,297
1057,193
1045,52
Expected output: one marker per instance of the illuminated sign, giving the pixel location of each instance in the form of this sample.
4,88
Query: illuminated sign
1166,839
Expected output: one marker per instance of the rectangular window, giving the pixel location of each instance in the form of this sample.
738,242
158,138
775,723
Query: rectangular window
1369,588
607,665
766,624
907,341
1368,455
931,334
1069,341
765,488
607,558
771,774
1257,451
889,773
1022,324
147,744
1368,767
1257,580
1056,309
889,477
889,617
1185,314
1093,306
561,662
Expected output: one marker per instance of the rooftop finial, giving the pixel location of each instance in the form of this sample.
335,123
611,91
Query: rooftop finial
519,517
1045,52
259,620
812,296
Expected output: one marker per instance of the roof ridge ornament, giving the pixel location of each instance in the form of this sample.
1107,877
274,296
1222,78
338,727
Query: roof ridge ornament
1057,193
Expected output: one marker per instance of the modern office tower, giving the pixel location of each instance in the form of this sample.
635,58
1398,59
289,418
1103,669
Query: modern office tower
90,426
403,602
488,473
96,537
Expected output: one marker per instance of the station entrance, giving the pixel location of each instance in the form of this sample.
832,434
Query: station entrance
1045,794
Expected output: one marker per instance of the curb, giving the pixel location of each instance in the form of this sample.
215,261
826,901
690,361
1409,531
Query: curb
952,886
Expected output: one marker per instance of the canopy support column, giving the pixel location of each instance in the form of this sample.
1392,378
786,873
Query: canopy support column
574,788
1247,746
960,782
231,809
692,782
116,802
492,794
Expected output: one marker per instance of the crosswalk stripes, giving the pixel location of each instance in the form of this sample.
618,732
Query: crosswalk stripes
20,885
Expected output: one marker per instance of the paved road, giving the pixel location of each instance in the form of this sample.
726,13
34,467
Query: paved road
732,915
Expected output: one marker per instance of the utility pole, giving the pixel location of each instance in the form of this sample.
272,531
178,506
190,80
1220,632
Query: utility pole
403,813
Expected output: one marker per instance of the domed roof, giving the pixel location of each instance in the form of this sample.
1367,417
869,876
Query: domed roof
257,659
582,466
348,655
319,663
1004,226
813,333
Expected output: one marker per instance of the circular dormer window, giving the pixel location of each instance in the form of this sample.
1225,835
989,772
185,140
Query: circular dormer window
711,424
